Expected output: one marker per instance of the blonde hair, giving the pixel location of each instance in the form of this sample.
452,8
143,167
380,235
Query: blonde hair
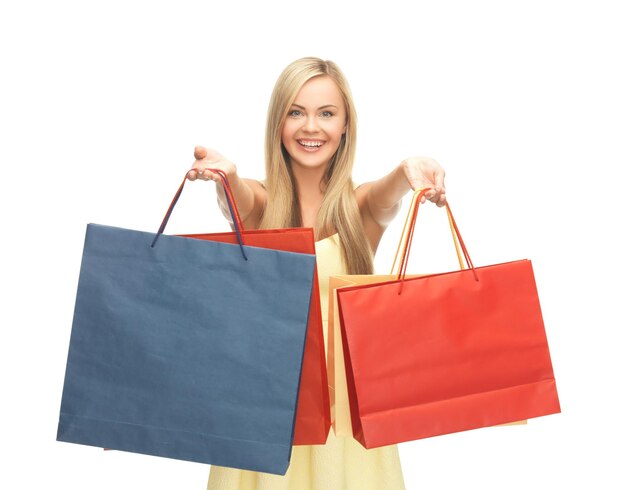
339,211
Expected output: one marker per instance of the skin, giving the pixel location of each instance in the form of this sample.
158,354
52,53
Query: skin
311,136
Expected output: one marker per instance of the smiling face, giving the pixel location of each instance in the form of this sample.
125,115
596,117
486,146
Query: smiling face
315,124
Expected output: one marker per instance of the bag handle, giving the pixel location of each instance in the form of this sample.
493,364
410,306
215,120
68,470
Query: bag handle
411,220
403,237
232,207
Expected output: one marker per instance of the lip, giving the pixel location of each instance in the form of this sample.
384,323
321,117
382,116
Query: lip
315,144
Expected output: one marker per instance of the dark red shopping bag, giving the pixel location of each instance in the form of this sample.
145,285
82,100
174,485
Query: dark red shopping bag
443,353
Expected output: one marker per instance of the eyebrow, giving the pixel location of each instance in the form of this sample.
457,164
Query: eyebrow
319,108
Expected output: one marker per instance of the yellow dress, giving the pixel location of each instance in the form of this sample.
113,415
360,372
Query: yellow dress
340,464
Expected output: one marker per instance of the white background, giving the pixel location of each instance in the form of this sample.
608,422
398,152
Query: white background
522,102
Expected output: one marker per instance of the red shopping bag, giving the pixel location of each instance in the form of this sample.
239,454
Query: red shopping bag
443,353
313,411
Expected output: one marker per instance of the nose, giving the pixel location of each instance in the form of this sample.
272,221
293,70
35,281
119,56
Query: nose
310,124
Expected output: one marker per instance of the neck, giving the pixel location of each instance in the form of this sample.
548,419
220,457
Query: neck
310,188
309,182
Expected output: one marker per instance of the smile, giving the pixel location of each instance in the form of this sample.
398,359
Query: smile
310,145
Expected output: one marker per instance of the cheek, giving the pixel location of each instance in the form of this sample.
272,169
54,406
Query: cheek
287,133
336,131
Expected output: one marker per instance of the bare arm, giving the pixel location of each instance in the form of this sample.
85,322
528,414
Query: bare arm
380,201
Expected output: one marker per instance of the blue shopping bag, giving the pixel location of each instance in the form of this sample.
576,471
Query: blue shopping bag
188,349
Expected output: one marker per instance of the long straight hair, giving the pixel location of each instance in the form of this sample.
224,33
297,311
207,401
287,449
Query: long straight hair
339,211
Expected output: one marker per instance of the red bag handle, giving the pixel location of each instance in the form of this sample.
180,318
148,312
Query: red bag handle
403,239
405,253
232,206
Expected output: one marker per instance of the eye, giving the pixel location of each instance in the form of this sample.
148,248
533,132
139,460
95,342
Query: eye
295,113
326,114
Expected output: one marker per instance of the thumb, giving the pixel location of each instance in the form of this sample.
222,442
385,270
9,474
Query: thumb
199,152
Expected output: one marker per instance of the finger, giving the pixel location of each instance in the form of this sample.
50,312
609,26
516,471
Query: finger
432,195
442,200
211,175
192,174
439,180
199,152
204,174
207,174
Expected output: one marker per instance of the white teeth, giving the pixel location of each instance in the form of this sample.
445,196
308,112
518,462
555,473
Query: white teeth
311,144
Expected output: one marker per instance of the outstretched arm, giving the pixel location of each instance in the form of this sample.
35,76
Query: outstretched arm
380,201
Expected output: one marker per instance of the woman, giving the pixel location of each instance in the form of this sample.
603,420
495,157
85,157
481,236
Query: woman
309,152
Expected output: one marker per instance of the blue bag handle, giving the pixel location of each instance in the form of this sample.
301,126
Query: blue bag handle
232,207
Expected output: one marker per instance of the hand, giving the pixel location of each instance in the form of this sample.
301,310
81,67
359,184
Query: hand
207,158
421,172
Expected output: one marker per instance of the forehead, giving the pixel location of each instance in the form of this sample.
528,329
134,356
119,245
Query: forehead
318,92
